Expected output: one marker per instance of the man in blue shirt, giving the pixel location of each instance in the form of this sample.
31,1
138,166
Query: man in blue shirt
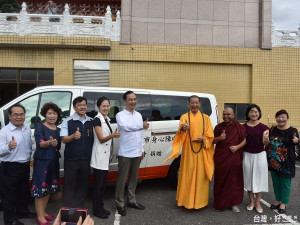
15,154
131,152
77,133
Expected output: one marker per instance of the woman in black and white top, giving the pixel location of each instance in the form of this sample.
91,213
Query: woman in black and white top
100,155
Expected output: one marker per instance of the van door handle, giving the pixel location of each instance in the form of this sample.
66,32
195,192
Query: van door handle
163,133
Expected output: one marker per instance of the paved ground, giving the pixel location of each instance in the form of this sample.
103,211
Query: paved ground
159,198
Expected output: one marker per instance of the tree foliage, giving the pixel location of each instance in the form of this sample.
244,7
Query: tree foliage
9,6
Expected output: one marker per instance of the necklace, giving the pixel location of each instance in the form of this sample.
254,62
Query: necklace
201,145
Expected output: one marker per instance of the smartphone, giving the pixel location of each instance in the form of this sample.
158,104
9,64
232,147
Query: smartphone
71,215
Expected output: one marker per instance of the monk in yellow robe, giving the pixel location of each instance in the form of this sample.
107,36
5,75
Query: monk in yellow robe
195,135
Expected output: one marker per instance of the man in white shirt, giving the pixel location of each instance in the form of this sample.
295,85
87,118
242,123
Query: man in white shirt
131,151
15,154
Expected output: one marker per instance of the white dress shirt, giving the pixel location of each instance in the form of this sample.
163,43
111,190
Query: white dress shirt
130,126
22,153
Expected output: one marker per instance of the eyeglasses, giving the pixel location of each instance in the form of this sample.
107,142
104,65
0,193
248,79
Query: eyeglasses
16,115
81,105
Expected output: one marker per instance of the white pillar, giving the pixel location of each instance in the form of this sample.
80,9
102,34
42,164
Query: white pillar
108,23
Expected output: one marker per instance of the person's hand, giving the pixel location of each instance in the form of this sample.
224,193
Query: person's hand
143,155
88,221
116,134
223,136
266,135
12,144
57,220
146,124
295,139
200,139
52,142
233,148
185,126
77,134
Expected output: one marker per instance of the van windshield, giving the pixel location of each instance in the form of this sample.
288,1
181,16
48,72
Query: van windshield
34,103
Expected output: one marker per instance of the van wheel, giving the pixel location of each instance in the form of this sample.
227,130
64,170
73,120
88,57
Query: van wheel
173,174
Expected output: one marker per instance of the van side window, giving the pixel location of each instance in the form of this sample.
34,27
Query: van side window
166,107
115,103
33,105
143,105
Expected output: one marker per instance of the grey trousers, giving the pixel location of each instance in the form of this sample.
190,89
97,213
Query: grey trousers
131,166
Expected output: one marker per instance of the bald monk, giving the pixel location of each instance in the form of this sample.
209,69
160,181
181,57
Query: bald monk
230,138
195,136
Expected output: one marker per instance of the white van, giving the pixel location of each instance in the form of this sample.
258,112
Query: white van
162,108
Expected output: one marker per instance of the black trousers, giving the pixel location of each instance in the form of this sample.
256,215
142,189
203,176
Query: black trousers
99,190
14,189
77,174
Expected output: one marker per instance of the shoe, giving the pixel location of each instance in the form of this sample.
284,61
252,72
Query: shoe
274,206
15,222
281,211
106,211
28,215
50,217
136,206
101,215
260,211
41,223
250,208
121,211
235,209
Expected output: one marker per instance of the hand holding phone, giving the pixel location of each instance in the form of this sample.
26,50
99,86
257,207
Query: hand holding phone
88,221
72,215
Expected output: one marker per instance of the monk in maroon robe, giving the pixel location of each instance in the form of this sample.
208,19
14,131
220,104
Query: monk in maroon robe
230,138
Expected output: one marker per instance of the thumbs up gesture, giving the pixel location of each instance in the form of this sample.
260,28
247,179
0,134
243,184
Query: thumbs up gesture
12,144
77,134
295,139
185,126
266,135
116,134
146,124
223,136
266,140
52,142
